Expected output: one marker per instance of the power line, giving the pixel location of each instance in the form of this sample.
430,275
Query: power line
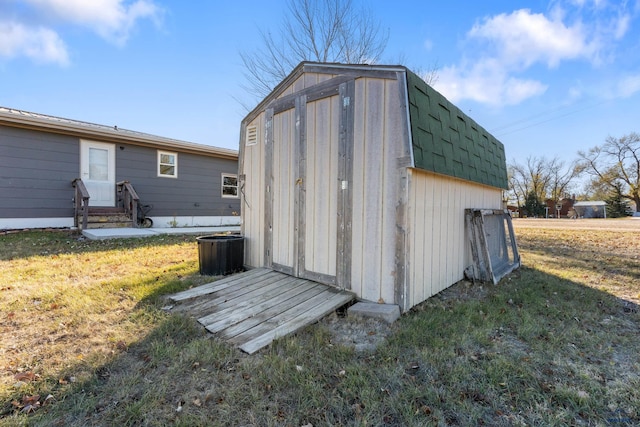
537,123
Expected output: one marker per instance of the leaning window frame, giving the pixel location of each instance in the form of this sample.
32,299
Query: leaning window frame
493,244
160,164
222,186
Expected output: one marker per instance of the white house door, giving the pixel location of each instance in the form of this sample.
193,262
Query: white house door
98,172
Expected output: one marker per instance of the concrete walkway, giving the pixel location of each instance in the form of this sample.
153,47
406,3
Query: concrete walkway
120,233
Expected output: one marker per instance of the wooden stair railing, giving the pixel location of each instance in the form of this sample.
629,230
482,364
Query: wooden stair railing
80,201
130,200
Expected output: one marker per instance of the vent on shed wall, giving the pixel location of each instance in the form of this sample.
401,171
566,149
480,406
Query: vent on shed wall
252,135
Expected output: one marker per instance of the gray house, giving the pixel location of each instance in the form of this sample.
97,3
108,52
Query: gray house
360,176
42,159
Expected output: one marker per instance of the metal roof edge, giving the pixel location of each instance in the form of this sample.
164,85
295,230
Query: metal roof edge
37,121
364,67
590,203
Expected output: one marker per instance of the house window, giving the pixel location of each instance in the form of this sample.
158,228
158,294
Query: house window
229,185
252,135
167,164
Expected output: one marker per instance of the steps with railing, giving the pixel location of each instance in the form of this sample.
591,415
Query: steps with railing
80,204
128,199
100,217
122,216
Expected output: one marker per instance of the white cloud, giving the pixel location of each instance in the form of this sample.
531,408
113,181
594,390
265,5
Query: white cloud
111,19
522,38
38,36
501,52
628,86
621,26
40,44
574,93
582,3
509,45
486,82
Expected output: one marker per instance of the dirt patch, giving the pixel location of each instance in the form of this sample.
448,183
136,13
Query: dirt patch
366,334
361,334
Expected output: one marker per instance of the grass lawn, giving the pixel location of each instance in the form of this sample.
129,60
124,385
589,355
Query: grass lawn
84,341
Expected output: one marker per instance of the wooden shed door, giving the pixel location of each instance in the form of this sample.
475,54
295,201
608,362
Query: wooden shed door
282,193
318,220
306,206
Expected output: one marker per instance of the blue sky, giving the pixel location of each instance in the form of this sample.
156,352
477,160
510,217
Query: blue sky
547,78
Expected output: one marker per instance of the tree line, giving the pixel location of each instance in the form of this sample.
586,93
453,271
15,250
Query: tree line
612,172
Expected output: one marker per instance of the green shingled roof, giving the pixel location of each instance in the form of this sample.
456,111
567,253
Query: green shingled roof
447,141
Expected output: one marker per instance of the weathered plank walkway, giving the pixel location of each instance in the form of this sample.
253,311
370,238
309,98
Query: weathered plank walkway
253,308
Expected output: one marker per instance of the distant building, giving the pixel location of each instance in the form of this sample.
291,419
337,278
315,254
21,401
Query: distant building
591,209
561,209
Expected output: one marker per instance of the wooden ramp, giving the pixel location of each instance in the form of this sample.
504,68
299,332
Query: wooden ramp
253,308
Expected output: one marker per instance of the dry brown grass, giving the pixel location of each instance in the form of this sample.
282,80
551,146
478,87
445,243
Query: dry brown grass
555,343
68,305
600,254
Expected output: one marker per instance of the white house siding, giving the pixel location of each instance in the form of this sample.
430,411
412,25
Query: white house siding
379,142
437,244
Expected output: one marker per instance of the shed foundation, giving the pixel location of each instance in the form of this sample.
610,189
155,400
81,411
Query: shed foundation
387,312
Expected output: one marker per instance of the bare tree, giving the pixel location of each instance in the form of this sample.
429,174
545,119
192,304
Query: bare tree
616,165
561,178
546,179
519,183
429,73
532,177
313,30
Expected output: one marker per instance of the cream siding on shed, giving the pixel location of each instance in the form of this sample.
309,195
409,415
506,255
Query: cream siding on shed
378,143
252,193
438,250
304,81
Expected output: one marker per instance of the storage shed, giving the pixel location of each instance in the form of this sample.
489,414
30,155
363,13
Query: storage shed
358,176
